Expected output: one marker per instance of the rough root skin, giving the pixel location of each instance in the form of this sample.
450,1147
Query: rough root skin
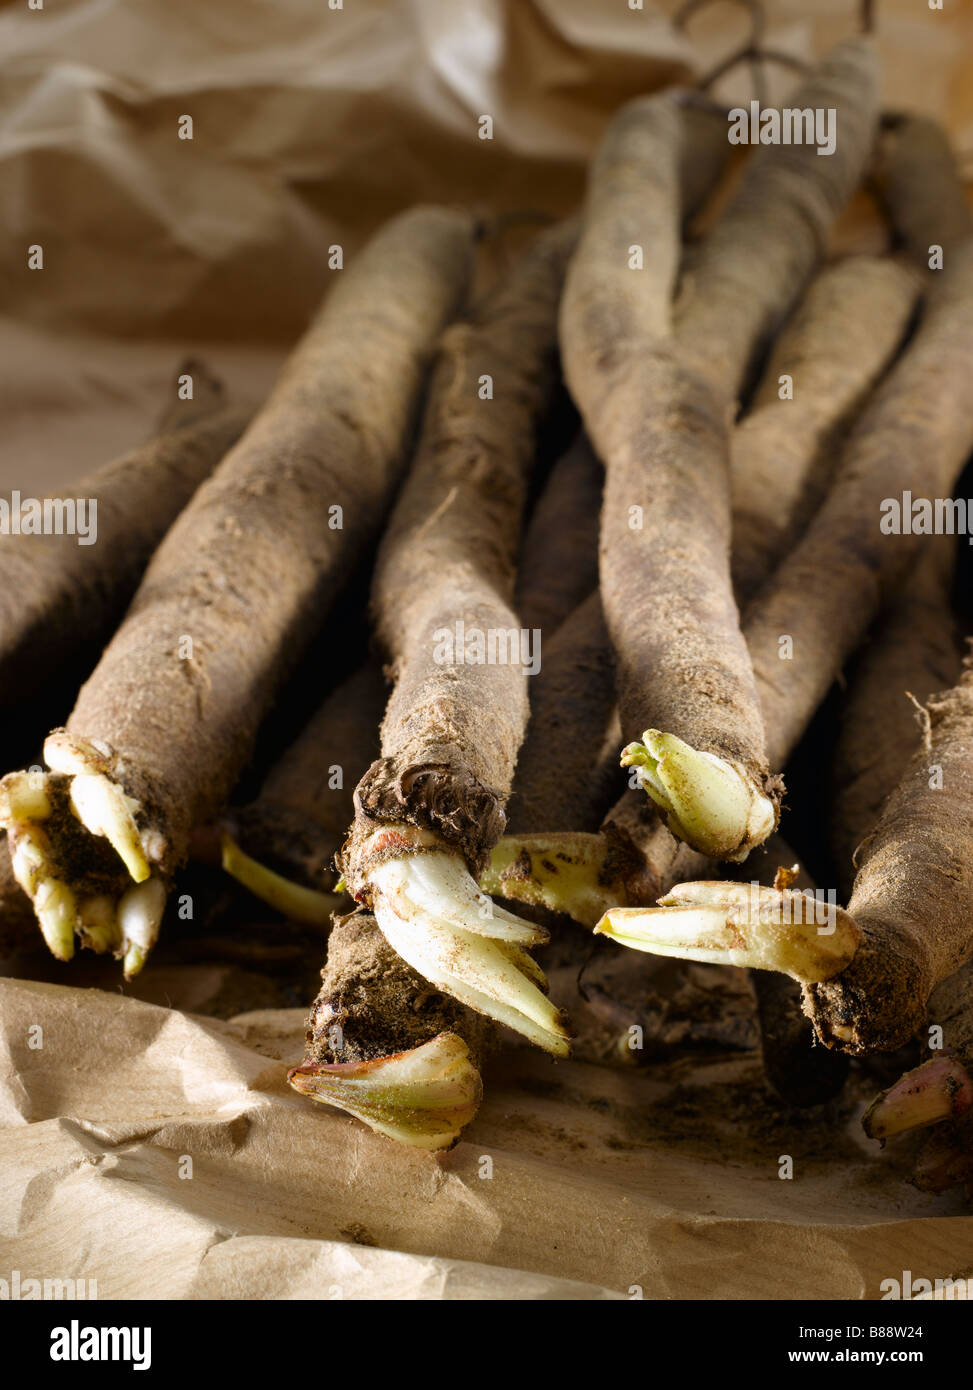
59,599
915,433
913,653
835,346
921,185
447,801
657,391
373,1004
913,893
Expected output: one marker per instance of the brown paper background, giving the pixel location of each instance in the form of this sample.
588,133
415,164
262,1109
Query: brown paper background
310,127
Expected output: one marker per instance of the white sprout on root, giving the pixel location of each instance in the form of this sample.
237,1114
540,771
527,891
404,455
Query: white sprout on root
423,1097
54,906
140,912
741,924
713,805
434,916
564,873
100,805
126,922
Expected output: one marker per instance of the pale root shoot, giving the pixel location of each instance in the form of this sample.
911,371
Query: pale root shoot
23,797
98,925
940,1089
104,809
714,805
309,906
742,924
54,905
564,873
123,919
139,916
434,916
423,1097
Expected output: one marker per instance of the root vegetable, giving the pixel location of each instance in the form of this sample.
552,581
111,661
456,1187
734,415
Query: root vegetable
377,1019
560,553
743,277
384,987
636,860
920,183
60,599
906,927
837,345
913,896
559,784
913,437
233,595
914,652
656,390
429,809
868,971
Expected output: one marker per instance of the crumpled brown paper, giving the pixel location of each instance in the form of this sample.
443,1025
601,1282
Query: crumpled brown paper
163,1155
158,1151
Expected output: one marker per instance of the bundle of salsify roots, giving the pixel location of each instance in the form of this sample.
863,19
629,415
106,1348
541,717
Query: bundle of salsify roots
586,680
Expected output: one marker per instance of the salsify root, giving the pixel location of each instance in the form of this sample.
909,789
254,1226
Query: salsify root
232,598
562,783
410,1001
743,277
868,971
910,903
835,347
636,859
430,808
913,652
920,183
560,553
383,1046
656,388
59,599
